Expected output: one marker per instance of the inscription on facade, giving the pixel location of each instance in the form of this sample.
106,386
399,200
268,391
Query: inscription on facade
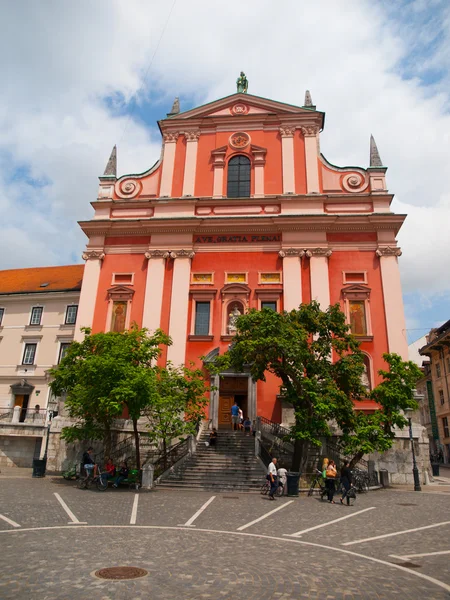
236,239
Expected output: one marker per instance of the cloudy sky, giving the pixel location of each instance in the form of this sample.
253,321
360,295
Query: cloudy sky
81,77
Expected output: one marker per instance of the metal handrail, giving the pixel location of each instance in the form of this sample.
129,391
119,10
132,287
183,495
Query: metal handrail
172,456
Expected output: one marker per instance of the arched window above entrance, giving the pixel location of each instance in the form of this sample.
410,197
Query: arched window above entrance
238,182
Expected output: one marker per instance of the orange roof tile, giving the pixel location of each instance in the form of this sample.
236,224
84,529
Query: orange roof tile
21,281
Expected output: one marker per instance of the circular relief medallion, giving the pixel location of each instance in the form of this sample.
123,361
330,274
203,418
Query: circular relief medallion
239,109
239,140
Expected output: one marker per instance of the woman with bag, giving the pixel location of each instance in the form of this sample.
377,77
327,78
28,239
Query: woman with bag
331,473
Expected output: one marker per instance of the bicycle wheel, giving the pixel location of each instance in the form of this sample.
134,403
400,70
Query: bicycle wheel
311,489
82,483
102,484
280,490
265,488
364,487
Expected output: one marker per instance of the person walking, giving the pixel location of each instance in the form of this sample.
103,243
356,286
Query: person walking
235,416
330,481
272,477
346,481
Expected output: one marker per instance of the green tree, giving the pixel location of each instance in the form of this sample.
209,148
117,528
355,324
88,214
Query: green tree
177,405
317,360
376,432
101,375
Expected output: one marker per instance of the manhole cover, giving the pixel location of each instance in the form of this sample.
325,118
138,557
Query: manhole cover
121,573
406,504
231,497
408,565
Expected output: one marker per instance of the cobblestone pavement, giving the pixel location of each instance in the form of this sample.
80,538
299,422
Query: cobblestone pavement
221,552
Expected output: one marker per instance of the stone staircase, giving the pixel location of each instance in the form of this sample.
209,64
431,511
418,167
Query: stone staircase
231,466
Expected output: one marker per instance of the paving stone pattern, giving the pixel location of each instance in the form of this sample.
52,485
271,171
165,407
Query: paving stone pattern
57,561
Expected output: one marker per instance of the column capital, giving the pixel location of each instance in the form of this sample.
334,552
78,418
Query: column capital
182,254
388,251
171,136
310,130
157,254
93,255
191,136
291,252
287,130
327,252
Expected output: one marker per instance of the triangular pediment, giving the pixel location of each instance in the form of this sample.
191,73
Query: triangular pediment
355,290
240,105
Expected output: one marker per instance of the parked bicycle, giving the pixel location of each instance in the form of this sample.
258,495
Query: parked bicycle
360,481
84,483
265,488
318,482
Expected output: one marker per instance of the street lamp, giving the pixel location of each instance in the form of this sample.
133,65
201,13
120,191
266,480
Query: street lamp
408,415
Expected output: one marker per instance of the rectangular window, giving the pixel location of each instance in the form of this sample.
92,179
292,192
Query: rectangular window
438,370
445,425
441,396
71,314
2,313
36,315
63,350
355,277
358,323
272,305
202,312
123,278
29,354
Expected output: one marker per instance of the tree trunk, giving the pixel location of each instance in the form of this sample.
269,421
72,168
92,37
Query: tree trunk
165,453
136,443
300,455
107,442
358,456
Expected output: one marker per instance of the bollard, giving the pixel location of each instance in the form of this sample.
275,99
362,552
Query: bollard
147,476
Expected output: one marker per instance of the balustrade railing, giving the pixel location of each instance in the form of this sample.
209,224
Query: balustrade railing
24,416
171,457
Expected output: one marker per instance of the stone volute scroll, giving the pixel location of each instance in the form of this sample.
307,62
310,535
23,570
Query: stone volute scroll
326,252
291,252
171,136
157,254
93,255
310,130
287,130
182,254
191,136
388,251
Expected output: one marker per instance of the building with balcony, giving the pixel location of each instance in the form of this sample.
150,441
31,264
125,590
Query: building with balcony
38,312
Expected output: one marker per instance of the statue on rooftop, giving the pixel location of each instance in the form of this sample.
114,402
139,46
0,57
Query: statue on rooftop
242,83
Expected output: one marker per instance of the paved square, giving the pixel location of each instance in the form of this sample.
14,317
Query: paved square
198,545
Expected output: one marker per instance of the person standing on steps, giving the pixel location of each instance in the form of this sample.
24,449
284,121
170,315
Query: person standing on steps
235,416
272,477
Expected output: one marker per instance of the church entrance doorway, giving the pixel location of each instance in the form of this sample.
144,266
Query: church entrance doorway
231,390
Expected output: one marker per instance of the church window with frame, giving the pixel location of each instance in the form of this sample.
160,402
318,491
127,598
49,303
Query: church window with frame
239,175
357,310
202,318
358,321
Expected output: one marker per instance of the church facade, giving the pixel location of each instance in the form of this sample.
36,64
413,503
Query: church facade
243,211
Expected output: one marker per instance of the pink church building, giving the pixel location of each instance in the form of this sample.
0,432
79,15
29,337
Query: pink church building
241,211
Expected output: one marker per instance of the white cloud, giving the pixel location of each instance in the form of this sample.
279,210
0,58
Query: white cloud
66,58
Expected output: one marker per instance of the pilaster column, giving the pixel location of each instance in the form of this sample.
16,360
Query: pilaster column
88,294
154,286
179,305
218,157
287,149
311,155
259,160
190,163
320,284
170,144
292,277
393,300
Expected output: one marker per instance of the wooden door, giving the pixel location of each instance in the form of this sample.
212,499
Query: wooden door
226,401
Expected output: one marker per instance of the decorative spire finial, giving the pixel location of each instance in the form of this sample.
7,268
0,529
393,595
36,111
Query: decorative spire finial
175,107
308,99
375,160
111,166
242,83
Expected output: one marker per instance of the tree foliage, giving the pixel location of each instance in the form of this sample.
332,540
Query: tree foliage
316,358
177,405
375,432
